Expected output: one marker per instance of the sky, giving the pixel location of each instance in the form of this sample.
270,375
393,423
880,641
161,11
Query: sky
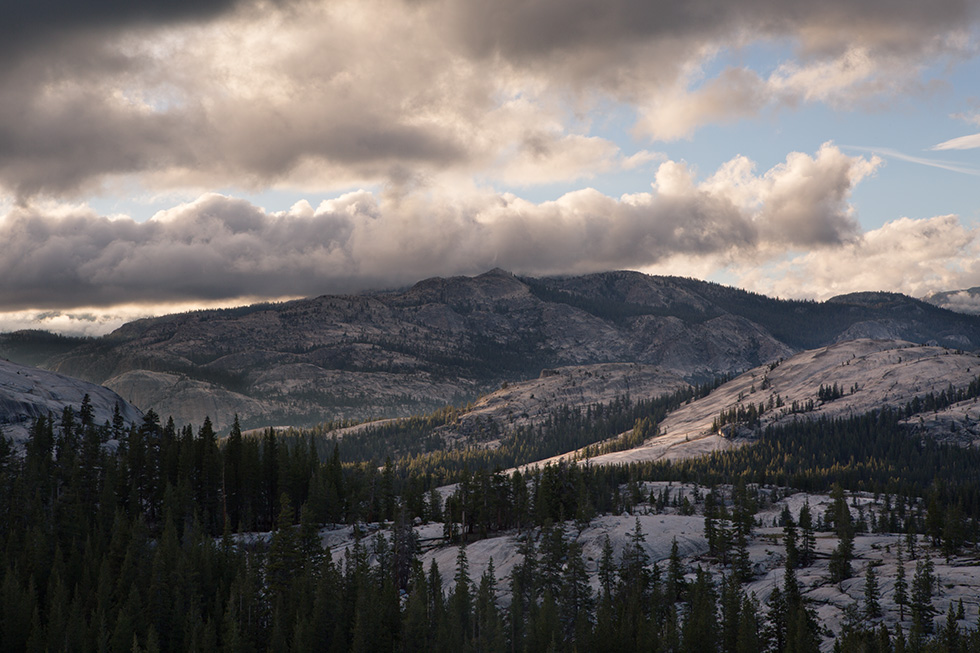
169,155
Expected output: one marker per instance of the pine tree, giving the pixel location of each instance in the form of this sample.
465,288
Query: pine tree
269,479
901,585
711,523
840,516
544,626
461,599
488,625
415,616
934,518
898,640
872,604
231,475
808,541
437,606
953,531
607,568
790,542
118,423
284,558
748,627
700,629
523,589
576,601
207,478
921,600
776,619
552,553
128,622
741,563
950,635
16,607
732,596
670,637
634,590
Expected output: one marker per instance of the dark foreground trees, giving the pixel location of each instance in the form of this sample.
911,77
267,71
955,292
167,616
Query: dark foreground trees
144,539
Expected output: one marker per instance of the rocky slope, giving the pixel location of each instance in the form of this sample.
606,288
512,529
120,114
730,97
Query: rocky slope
451,340
528,402
532,402
27,393
870,374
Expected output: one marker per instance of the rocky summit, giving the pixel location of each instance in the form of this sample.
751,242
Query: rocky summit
451,340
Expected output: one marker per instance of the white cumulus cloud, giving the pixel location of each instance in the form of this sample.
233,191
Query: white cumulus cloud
912,256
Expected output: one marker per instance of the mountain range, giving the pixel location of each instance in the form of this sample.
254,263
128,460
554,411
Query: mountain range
450,340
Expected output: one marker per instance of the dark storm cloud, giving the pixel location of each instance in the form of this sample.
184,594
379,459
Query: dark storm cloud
218,248
321,95
29,24
525,30
68,141
216,104
60,147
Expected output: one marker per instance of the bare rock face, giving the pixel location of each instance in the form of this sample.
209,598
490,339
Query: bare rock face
171,394
857,376
27,393
450,340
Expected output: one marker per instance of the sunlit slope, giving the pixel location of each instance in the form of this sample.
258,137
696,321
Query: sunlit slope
856,377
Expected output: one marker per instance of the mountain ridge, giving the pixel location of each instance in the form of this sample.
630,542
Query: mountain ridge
449,340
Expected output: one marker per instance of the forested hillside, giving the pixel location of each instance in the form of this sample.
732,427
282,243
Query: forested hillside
176,540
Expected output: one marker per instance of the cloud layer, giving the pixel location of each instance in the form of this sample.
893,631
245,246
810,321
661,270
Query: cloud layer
220,248
329,95
437,104
915,257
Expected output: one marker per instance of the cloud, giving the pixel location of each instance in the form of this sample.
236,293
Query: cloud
28,25
962,143
952,166
802,202
589,30
676,113
221,248
962,301
905,255
330,95
97,321
972,115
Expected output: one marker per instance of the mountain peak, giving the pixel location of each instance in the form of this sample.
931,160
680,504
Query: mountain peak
495,272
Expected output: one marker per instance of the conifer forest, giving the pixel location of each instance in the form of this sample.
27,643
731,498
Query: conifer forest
149,537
